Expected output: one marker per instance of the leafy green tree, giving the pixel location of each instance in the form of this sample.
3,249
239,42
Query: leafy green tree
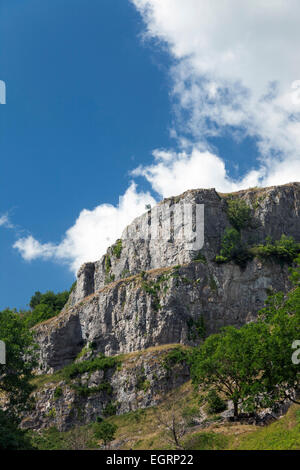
45,306
228,363
105,431
280,376
11,436
15,377
16,374
35,299
253,366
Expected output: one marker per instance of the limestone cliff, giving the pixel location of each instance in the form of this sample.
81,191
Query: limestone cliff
148,291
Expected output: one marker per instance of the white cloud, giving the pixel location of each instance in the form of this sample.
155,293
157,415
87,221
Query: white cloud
5,222
173,173
236,68
93,231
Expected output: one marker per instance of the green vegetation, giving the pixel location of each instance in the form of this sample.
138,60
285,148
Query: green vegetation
177,355
252,366
110,409
196,328
11,436
45,306
239,213
284,250
232,248
117,249
206,441
215,403
98,363
153,288
58,392
85,391
78,438
284,434
105,431
109,278
16,376
200,258
107,264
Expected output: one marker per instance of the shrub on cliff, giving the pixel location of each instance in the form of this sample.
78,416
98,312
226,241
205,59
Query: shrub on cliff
285,249
239,213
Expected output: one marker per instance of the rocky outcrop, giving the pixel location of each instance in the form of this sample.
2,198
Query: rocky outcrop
143,246
140,381
164,306
171,296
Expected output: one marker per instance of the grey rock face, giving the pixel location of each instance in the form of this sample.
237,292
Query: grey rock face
140,382
275,212
134,313
128,315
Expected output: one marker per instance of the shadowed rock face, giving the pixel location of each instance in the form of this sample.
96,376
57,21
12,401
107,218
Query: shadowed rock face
168,303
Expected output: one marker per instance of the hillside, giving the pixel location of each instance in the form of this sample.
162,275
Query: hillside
158,291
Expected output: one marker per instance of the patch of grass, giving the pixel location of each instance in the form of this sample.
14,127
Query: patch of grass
100,362
206,441
283,434
177,356
117,249
78,438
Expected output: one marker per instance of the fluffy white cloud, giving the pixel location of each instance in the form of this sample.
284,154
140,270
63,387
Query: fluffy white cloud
92,233
173,173
236,68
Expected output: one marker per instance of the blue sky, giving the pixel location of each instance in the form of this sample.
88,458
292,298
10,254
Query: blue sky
89,99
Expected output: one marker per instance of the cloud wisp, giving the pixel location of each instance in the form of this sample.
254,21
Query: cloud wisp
5,221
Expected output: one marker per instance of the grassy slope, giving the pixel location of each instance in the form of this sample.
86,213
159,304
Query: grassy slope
141,429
